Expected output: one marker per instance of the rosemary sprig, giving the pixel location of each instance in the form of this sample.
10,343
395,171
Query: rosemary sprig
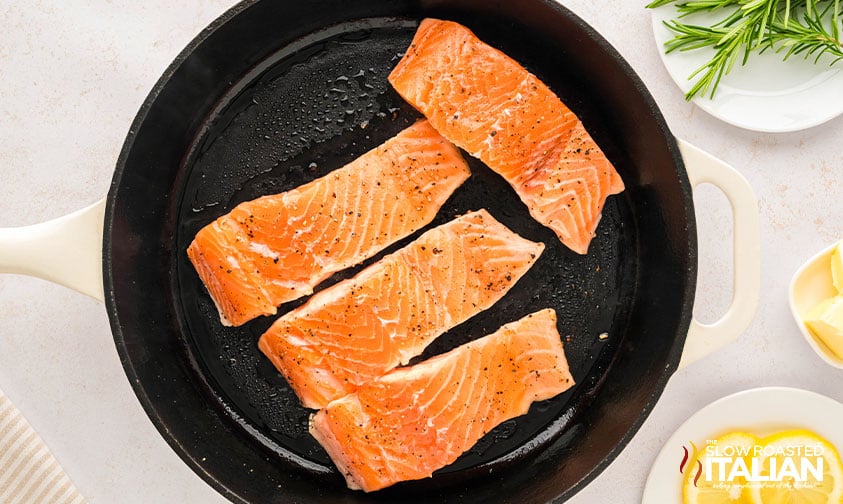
809,28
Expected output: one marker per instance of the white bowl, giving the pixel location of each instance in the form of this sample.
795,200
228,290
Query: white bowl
811,284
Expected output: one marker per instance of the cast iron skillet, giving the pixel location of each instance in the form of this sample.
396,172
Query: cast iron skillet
276,93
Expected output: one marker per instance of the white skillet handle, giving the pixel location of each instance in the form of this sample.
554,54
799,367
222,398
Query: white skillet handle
704,339
66,250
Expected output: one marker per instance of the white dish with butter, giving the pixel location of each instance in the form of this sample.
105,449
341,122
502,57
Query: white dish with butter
811,285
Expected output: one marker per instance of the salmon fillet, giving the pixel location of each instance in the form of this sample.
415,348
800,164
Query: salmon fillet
488,104
277,248
350,333
412,421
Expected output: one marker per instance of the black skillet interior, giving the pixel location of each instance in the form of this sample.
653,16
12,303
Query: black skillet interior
276,94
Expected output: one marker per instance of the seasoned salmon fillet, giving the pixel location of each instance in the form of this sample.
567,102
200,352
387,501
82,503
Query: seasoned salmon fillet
355,331
414,420
488,104
277,248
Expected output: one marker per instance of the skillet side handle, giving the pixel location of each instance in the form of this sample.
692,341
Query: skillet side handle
66,250
704,339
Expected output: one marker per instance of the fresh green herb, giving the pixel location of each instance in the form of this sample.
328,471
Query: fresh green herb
810,28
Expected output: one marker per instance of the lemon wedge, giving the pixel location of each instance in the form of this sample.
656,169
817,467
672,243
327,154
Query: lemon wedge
837,267
802,467
826,322
701,487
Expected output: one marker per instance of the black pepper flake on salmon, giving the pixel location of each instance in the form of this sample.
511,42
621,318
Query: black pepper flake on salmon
396,307
288,236
415,420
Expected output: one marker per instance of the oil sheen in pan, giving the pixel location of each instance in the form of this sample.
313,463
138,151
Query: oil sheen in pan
314,107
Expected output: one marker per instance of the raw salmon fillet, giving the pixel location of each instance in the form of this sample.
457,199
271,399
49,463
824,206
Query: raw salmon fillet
412,421
275,249
350,333
486,103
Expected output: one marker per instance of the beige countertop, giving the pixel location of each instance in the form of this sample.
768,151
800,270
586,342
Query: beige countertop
75,73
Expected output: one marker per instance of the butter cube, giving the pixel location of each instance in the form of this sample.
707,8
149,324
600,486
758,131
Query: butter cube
826,322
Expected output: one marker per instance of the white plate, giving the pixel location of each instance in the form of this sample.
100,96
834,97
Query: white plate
767,94
761,411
